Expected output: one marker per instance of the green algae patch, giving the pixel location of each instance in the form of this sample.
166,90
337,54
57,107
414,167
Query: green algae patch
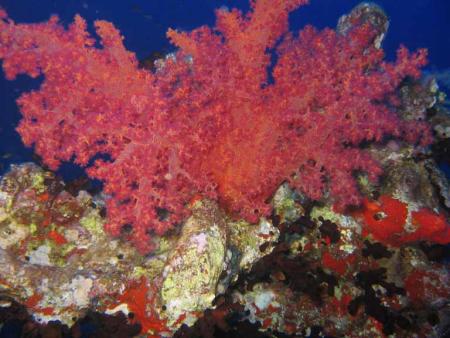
93,222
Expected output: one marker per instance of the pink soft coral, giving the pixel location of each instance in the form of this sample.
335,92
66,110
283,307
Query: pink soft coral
209,121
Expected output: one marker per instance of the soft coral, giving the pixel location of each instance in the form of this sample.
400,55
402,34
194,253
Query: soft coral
209,121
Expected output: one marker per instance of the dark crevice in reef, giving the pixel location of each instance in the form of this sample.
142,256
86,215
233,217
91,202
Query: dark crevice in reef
375,250
436,252
15,321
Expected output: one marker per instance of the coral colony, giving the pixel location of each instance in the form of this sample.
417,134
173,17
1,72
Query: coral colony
210,147
209,122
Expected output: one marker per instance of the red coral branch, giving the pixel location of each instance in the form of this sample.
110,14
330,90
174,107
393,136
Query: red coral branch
209,121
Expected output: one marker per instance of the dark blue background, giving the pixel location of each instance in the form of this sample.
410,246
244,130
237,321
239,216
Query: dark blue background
415,23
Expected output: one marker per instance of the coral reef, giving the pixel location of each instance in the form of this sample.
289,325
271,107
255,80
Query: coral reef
57,260
54,254
298,202
326,277
309,286
212,119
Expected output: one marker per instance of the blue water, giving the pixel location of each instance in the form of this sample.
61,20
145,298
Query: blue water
415,23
